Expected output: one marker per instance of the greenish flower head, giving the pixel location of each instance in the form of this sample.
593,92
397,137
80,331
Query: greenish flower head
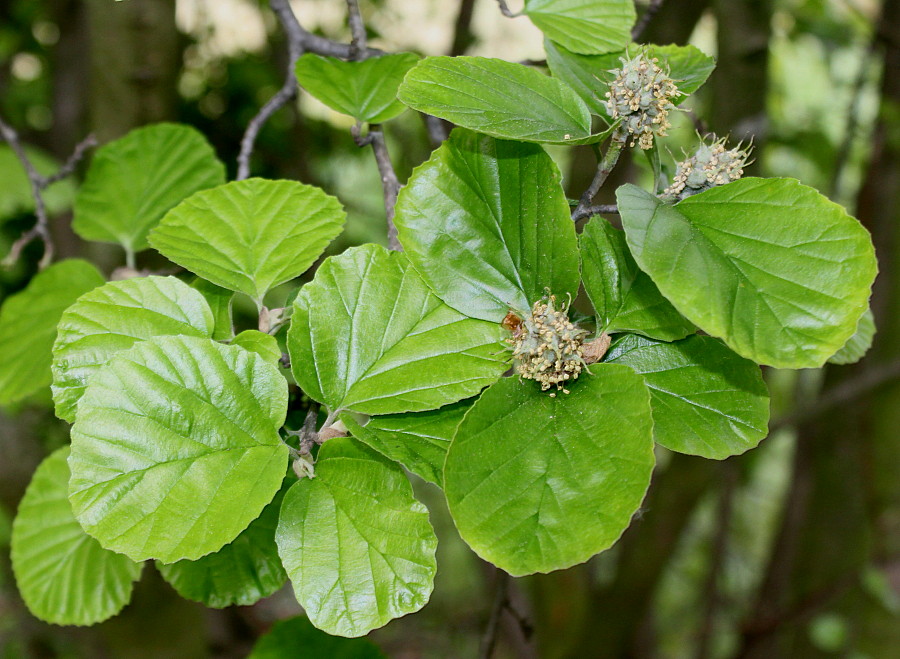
641,96
710,165
547,346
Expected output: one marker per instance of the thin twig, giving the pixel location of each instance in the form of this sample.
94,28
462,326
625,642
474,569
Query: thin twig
505,10
645,19
501,600
308,434
389,181
357,29
596,209
462,30
606,165
39,183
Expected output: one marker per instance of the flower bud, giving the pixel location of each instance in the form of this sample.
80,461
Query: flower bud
710,165
641,96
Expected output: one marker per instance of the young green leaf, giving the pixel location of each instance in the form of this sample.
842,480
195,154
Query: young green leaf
365,90
134,180
624,297
28,322
706,400
357,546
368,335
219,300
64,576
113,318
487,224
590,75
538,483
241,573
498,98
296,637
857,345
17,195
584,26
249,236
176,448
775,269
417,440
264,345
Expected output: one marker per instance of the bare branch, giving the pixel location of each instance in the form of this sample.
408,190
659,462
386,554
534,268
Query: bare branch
389,181
609,160
505,10
462,30
77,156
645,19
357,29
597,209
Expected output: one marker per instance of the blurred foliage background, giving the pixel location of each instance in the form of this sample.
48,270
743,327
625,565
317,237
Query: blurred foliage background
792,550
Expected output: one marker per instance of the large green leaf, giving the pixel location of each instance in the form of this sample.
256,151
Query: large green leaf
240,573
590,75
487,224
706,400
176,447
584,26
417,440
368,335
365,90
112,318
857,345
28,325
498,98
775,269
624,297
538,483
64,575
18,196
357,546
296,637
134,180
249,236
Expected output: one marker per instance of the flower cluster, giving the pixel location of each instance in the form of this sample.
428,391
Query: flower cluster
641,96
711,165
547,346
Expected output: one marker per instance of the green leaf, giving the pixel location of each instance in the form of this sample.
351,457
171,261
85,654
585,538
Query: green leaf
134,180
624,297
584,26
176,447
357,546
775,269
417,440
241,573
589,75
64,576
28,322
487,224
17,195
113,318
857,345
264,345
498,98
219,300
249,236
706,400
368,335
296,637
538,483
365,90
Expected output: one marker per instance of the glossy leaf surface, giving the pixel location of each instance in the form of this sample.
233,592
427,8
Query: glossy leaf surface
113,318
64,576
368,335
498,98
487,224
249,236
176,447
585,26
366,90
133,181
775,269
706,399
624,297
538,483
28,322
264,345
357,546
